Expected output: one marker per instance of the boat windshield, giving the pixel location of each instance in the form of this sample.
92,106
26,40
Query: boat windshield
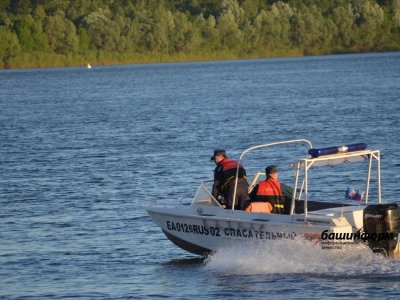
204,196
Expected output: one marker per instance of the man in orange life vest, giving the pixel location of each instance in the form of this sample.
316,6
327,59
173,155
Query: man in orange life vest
225,178
272,191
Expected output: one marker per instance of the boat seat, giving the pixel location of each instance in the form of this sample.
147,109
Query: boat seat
264,207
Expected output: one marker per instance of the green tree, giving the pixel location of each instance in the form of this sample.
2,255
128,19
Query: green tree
344,18
185,38
209,36
9,46
162,30
329,34
40,40
78,9
83,39
157,30
61,34
251,38
22,27
4,5
55,6
274,26
306,28
30,31
370,18
228,25
130,34
103,32
252,8
396,14
21,7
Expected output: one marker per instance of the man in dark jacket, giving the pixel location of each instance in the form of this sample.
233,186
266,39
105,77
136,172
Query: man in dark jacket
225,178
272,191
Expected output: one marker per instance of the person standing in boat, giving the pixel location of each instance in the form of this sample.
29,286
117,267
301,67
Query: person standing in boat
224,181
272,191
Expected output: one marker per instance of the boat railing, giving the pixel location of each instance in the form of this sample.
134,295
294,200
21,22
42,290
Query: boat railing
304,165
255,180
325,156
303,141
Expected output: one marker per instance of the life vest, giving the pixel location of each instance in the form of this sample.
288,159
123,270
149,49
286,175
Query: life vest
228,169
228,164
225,174
270,191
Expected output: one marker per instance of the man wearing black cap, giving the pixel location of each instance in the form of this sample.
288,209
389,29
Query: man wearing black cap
224,180
272,191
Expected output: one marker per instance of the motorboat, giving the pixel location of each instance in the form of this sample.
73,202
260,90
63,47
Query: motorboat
205,226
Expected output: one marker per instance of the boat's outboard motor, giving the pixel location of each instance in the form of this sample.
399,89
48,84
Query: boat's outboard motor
382,228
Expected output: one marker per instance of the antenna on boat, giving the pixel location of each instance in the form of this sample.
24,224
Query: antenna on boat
258,147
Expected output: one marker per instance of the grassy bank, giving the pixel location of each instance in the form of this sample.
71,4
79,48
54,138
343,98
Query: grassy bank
51,60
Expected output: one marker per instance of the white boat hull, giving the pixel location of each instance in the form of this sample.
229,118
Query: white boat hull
201,230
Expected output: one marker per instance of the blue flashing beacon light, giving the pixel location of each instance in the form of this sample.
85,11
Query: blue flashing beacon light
339,149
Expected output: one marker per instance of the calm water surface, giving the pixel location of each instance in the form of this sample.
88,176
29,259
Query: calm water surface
82,151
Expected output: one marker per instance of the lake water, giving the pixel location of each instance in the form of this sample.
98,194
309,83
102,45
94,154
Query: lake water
83,150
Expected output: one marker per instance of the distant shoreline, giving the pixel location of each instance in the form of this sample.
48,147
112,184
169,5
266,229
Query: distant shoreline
46,60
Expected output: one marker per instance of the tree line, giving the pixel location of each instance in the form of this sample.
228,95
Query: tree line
36,33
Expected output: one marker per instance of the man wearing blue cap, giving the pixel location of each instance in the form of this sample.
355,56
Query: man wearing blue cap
224,180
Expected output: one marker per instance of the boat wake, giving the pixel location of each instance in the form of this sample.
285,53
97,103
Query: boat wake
299,256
